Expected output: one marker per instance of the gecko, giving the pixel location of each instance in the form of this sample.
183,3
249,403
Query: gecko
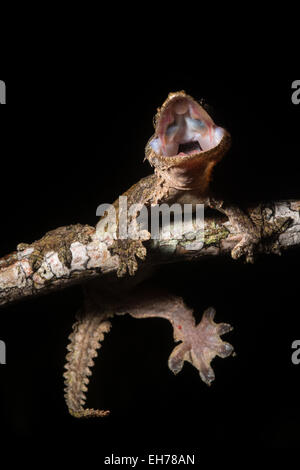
183,152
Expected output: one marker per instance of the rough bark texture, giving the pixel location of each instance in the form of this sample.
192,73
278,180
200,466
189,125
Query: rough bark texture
73,254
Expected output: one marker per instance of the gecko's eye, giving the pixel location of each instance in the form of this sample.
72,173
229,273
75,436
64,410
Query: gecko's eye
184,128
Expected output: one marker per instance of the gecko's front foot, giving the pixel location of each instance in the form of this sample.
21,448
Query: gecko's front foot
246,248
128,252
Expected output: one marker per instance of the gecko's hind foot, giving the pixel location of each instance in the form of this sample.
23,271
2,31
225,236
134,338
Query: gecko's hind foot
200,344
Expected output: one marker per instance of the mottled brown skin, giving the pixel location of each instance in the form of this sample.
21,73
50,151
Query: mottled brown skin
182,178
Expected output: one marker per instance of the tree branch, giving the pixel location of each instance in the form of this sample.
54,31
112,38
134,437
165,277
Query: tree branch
73,254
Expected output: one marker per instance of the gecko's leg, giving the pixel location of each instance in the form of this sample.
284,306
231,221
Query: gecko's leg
128,249
131,248
199,343
85,339
250,233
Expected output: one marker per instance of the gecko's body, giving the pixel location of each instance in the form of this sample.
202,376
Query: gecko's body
184,149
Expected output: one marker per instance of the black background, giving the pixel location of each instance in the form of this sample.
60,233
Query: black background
70,141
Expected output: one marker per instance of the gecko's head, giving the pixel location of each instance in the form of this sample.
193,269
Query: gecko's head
185,135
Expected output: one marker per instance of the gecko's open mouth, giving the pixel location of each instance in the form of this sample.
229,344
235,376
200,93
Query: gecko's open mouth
184,128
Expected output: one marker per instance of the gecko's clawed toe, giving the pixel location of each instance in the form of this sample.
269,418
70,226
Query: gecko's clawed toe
178,357
223,328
